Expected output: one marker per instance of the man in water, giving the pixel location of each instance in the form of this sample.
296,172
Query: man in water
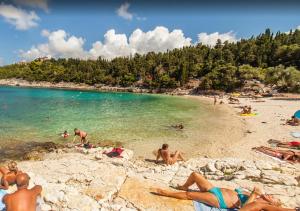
168,157
23,198
8,175
81,134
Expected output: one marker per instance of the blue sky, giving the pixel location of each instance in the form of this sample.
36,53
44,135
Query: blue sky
31,28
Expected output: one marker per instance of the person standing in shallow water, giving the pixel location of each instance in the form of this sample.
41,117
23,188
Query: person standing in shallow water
168,158
82,134
23,198
215,100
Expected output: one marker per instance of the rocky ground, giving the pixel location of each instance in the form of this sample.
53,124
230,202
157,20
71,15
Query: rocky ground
88,180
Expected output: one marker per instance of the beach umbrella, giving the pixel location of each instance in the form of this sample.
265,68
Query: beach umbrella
297,114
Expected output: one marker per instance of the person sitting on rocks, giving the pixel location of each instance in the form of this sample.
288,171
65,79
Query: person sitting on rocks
287,155
294,121
168,158
82,134
23,198
8,175
223,197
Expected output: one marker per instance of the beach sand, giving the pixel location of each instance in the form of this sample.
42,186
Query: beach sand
257,130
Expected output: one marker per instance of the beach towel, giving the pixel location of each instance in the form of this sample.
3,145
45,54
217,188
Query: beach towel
2,206
252,114
115,152
203,207
295,134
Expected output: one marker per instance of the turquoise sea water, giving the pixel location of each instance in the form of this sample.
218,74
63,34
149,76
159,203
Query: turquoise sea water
29,114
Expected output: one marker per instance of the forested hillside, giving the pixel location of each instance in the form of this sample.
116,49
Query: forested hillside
271,58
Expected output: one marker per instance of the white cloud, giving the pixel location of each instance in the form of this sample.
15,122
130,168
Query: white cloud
18,17
42,4
59,44
114,45
141,18
157,40
298,27
123,12
62,45
211,39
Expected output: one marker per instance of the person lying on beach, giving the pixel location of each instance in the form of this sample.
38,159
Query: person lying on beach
24,198
82,135
233,100
282,144
293,121
223,197
246,110
287,155
168,158
8,175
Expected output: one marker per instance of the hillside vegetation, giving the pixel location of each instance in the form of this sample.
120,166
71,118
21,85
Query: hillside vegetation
273,59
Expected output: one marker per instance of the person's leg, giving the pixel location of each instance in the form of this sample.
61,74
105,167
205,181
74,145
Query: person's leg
206,198
203,184
257,206
180,156
177,155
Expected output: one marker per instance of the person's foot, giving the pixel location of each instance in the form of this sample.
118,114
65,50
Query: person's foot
257,191
182,187
162,192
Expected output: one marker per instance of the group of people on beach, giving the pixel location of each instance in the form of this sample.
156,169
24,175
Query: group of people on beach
26,199
23,199
214,196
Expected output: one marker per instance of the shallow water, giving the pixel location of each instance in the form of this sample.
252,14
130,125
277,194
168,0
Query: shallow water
138,120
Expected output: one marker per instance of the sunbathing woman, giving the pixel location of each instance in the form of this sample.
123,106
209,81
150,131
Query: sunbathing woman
8,175
223,197
287,155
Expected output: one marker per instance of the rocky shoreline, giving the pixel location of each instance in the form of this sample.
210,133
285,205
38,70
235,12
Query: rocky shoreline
97,87
80,179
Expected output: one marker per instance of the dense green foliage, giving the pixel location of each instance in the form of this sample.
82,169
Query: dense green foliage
272,59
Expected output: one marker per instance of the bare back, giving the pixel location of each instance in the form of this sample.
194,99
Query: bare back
166,156
23,199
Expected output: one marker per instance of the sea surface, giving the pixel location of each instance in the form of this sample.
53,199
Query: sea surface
137,120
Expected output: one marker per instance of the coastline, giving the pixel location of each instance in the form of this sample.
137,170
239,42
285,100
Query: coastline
13,82
73,178
191,145
236,137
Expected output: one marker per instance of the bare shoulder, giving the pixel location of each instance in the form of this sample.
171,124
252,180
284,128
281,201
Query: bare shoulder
37,189
6,197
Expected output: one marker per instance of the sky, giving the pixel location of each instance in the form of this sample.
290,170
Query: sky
88,29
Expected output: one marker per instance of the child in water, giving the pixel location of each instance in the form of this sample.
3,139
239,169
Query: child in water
65,134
